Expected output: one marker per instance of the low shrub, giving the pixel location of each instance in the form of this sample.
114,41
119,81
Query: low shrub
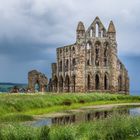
81,101
67,103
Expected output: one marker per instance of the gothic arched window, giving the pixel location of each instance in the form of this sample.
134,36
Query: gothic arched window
88,82
60,66
67,83
97,54
88,45
97,30
73,62
60,51
66,65
106,82
91,32
97,82
105,57
73,83
61,83
102,33
88,62
106,54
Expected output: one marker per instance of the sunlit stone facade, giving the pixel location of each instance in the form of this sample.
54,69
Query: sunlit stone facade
91,64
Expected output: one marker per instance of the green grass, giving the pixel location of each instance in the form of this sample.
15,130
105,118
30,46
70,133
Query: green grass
16,108
23,107
112,128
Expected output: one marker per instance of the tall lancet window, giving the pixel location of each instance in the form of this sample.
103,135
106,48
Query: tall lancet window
60,66
97,54
97,30
88,45
106,82
105,58
97,82
88,82
88,53
91,32
66,65
106,55
102,33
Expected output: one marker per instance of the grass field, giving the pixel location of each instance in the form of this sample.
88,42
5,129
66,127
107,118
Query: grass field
112,128
15,107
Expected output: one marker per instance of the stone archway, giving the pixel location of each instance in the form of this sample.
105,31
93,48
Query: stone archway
37,86
35,77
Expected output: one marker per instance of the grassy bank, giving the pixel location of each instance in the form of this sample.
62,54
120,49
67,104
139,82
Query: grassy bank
113,128
23,107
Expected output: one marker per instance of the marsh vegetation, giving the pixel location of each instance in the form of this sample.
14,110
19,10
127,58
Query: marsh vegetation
16,108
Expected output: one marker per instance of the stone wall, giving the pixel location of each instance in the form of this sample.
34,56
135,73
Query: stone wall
90,64
35,77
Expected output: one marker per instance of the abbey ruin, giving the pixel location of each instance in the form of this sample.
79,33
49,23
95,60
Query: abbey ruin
91,64
35,77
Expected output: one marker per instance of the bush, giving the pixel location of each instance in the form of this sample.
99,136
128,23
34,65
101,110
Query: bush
67,103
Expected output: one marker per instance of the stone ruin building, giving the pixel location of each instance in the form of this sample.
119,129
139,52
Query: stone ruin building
37,78
91,64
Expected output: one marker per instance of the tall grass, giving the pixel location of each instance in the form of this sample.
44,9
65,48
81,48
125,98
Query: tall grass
112,128
17,105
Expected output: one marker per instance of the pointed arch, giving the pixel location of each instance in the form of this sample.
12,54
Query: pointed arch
97,30
88,62
73,82
102,33
37,86
106,54
106,81
89,44
67,83
88,82
91,32
97,81
73,64
66,65
60,66
97,53
61,84
73,61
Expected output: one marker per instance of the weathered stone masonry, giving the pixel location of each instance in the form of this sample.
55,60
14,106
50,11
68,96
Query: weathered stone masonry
90,64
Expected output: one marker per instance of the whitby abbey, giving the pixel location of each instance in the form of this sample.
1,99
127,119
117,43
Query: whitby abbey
90,64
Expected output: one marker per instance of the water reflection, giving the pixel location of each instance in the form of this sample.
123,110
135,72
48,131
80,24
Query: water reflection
84,116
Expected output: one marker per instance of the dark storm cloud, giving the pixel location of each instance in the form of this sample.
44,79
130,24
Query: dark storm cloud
31,30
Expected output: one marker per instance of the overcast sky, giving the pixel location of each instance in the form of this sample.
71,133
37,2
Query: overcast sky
31,30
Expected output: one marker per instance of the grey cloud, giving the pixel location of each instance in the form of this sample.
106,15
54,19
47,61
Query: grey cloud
31,30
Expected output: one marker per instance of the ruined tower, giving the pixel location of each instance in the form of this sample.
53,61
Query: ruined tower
91,64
